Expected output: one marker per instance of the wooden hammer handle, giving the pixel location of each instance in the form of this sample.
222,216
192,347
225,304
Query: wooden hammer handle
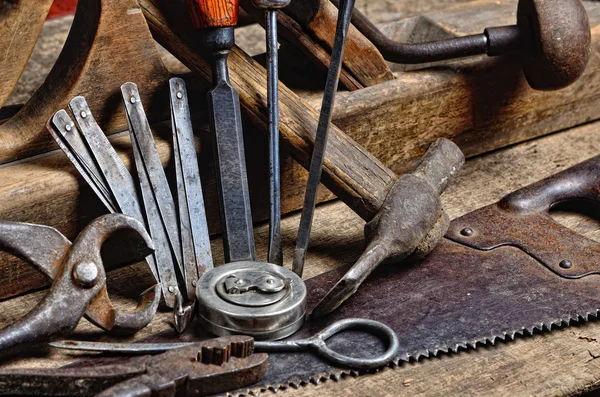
350,172
207,14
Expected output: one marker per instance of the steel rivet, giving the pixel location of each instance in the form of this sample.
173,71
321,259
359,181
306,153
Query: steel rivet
83,114
565,264
194,283
239,281
68,127
179,95
270,281
85,274
132,99
466,232
171,289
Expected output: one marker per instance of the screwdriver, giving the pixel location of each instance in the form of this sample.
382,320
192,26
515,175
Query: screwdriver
215,21
275,254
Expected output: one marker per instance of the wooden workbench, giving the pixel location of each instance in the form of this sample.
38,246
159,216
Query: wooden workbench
559,363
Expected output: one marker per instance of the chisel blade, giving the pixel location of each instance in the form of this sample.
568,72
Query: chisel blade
232,180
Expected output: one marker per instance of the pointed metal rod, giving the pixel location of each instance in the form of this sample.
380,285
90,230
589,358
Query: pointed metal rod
316,164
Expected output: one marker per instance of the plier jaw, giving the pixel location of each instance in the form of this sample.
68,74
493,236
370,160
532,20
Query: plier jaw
79,281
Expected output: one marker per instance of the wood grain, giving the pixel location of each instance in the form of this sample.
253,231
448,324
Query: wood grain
108,45
213,13
290,31
20,25
361,58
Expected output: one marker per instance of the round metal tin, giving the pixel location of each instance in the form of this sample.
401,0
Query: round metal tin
258,311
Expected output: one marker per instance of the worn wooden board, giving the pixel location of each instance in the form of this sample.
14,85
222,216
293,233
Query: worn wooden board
557,363
109,44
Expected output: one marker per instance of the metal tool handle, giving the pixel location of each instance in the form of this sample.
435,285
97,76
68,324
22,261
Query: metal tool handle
207,14
581,182
318,344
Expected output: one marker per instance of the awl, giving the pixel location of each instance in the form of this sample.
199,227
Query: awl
271,7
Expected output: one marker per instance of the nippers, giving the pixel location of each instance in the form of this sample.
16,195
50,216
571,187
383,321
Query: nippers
79,281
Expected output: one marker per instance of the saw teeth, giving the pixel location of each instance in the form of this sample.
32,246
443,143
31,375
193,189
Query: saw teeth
418,356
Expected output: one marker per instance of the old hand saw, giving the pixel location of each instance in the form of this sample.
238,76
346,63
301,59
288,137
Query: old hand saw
504,270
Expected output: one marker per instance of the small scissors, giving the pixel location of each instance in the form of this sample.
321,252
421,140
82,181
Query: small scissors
79,281
316,344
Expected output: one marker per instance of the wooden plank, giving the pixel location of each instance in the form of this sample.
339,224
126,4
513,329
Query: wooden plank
20,25
557,363
362,59
109,44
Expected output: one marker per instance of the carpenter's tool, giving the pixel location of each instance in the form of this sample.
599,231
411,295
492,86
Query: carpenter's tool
276,309
502,271
350,172
200,369
553,38
195,240
316,344
79,281
412,217
320,145
271,6
215,21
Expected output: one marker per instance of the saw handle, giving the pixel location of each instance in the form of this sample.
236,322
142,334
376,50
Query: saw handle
207,14
581,182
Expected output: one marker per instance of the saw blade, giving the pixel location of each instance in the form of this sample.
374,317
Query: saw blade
500,272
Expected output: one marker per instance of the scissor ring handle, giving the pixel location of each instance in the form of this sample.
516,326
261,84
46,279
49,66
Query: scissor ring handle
370,326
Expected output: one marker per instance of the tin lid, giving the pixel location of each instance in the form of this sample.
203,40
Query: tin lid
258,299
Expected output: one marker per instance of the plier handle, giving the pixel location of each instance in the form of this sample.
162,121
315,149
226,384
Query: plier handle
79,281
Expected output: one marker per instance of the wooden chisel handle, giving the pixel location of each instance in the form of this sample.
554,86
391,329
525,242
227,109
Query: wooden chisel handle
206,14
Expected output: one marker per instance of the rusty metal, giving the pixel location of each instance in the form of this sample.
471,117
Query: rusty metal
200,369
316,344
553,38
79,281
410,219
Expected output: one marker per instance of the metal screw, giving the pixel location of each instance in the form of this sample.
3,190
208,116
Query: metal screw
565,264
83,114
68,127
85,274
179,95
171,289
132,99
194,283
467,232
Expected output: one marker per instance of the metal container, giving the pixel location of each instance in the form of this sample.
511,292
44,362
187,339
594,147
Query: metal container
258,299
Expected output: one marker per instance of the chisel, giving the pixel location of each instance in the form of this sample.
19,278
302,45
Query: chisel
271,6
214,21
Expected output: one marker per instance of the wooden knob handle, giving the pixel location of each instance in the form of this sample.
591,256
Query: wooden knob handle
557,41
213,13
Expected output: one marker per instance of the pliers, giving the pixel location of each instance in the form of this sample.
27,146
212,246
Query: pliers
201,369
79,281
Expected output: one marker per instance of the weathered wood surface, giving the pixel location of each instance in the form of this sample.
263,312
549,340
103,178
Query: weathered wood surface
109,44
362,59
20,23
481,105
557,363
290,31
